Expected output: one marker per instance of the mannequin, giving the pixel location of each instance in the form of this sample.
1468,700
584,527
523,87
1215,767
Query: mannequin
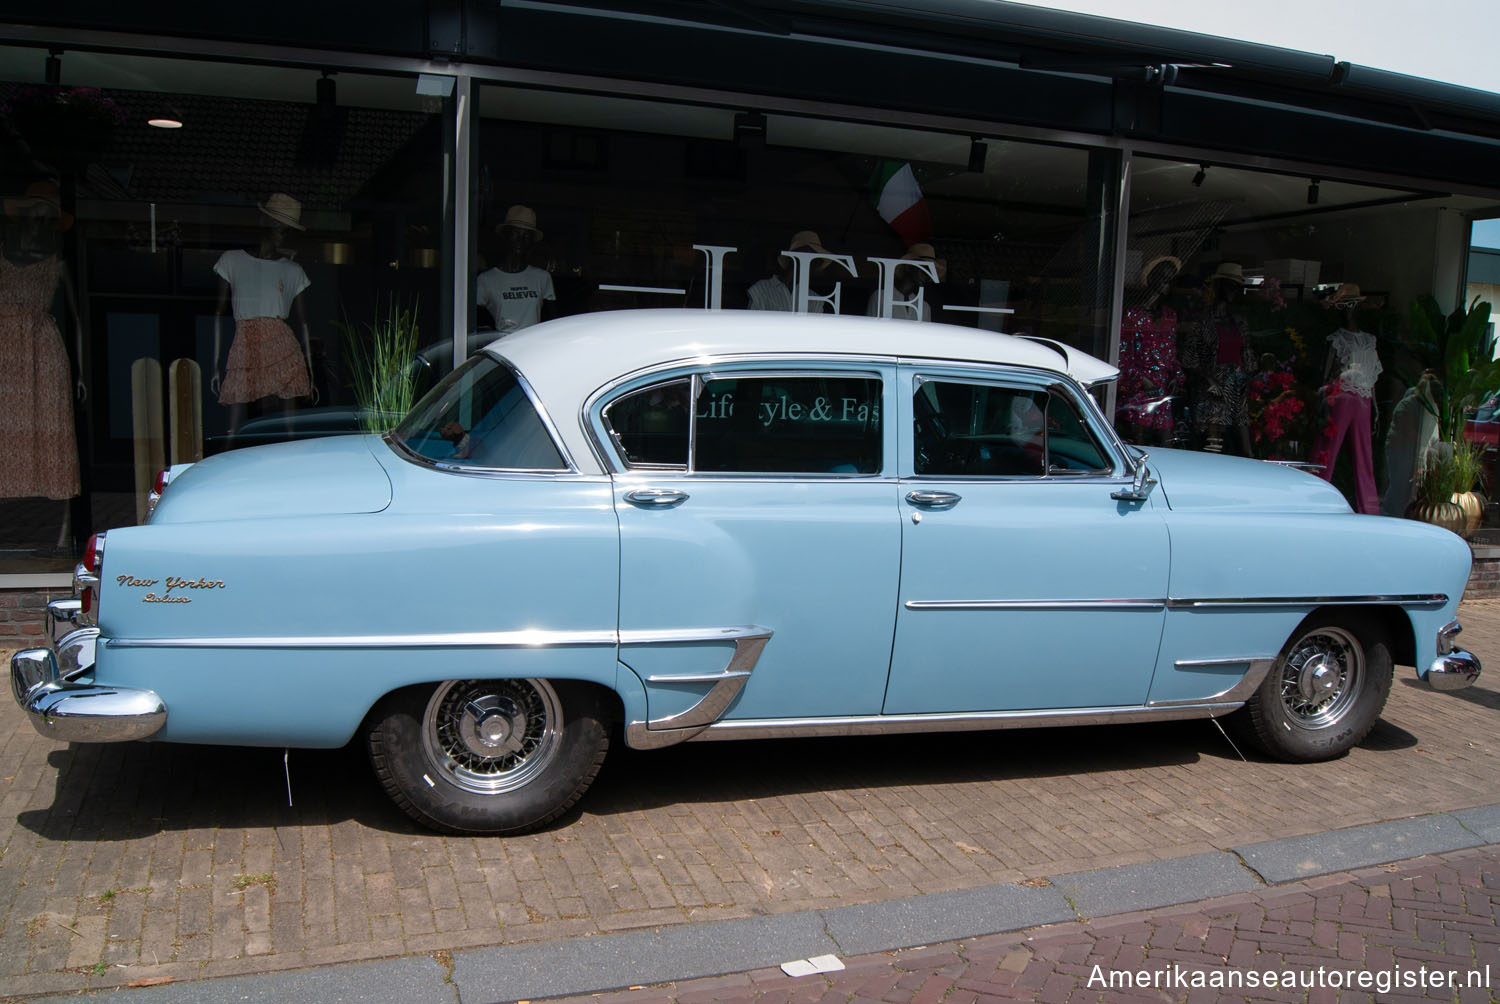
36,384
1349,375
1218,361
907,281
775,291
1412,433
514,291
1149,371
265,288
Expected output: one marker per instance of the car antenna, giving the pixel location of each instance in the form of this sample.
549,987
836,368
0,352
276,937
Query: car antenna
1214,720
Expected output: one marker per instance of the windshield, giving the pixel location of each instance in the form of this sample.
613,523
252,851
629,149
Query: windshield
479,416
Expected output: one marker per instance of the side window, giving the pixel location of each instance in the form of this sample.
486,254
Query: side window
981,430
788,425
650,426
479,416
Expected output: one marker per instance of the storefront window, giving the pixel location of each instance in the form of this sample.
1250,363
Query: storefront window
592,202
1267,315
196,257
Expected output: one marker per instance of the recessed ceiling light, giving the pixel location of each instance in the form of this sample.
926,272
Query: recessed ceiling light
164,123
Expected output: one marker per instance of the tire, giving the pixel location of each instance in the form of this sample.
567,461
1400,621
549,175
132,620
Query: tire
1325,691
489,756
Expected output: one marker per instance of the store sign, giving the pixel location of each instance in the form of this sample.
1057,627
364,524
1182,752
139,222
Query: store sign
802,268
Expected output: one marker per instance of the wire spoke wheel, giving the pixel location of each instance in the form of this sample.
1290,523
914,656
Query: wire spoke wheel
492,736
1321,677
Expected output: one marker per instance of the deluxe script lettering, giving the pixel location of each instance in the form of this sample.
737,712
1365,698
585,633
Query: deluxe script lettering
172,582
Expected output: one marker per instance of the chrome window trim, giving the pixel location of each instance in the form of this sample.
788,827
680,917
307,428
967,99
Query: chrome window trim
694,367
568,468
614,436
1058,382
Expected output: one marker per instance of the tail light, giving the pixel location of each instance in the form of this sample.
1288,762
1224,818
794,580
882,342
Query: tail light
86,578
158,485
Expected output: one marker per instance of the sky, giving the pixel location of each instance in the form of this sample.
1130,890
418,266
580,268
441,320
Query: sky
1456,41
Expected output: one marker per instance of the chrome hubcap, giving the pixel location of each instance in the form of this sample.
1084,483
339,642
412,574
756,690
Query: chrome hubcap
492,736
1321,678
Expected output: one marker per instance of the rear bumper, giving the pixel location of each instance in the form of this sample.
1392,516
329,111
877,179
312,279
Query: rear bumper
41,681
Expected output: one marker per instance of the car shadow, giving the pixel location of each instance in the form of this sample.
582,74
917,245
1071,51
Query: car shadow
1475,694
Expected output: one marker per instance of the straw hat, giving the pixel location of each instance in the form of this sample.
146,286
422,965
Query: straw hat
1168,259
284,210
1347,295
520,218
1230,271
40,194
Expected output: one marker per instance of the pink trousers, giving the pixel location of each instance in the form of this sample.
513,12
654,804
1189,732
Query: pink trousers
1350,414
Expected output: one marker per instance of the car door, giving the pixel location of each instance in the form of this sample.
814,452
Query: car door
757,499
1024,585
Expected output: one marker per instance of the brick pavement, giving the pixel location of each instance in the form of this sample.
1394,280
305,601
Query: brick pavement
119,863
1423,929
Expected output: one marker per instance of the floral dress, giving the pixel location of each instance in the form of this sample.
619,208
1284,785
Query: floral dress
1149,370
36,386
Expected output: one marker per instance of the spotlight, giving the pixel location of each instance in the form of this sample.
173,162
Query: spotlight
53,73
1312,192
977,153
327,92
1202,173
165,122
749,129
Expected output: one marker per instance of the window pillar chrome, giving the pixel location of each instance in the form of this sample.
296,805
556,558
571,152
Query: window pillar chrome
458,205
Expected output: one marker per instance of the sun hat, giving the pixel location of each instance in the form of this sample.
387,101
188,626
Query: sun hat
40,193
1230,271
1151,266
1345,296
520,218
284,209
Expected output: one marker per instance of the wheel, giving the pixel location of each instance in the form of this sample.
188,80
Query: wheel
1325,692
489,756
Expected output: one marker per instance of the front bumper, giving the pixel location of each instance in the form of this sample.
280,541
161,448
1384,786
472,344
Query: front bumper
1453,669
42,681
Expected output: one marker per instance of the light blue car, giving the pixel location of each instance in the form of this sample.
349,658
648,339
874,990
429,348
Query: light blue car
686,525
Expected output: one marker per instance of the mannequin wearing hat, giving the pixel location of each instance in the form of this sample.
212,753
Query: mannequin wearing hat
514,291
906,282
265,362
774,292
1149,371
36,383
1218,360
1350,372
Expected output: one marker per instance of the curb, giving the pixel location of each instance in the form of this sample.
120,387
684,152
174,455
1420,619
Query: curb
681,952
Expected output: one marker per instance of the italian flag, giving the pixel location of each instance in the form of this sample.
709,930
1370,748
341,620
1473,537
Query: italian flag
900,203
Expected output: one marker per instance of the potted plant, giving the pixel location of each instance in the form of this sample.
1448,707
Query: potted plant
1445,493
382,358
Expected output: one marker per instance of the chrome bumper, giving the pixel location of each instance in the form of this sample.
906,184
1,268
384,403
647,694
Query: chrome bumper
1453,669
41,680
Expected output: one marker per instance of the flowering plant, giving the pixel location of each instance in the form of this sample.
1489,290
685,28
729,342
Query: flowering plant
1276,408
67,107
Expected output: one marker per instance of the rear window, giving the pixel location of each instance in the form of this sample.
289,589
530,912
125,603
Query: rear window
479,416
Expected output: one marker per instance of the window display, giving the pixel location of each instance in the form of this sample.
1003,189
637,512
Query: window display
192,254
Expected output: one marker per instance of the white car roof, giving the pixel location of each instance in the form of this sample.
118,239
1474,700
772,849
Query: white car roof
566,360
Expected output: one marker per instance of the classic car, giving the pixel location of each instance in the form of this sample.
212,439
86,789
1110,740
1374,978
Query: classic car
670,526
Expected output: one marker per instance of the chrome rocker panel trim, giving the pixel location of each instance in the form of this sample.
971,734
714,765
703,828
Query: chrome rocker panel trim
657,733
1149,603
1122,604
77,712
1255,673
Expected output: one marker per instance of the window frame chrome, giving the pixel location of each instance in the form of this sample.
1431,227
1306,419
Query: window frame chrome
479,470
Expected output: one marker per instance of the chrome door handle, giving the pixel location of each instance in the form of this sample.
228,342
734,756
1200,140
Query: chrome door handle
655,498
933,499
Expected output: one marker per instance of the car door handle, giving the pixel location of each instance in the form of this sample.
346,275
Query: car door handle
933,499
655,498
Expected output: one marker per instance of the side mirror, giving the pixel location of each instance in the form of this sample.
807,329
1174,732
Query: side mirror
1140,485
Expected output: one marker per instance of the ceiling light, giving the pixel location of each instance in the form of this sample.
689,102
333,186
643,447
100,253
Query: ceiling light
1312,192
1202,173
52,73
163,122
977,153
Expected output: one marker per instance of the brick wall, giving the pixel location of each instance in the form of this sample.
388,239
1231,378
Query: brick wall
1484,580
23,614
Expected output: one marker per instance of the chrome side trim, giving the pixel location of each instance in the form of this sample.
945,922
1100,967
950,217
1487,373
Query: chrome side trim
475,639
864,725
673,729
1239,693
1120,604
1405,600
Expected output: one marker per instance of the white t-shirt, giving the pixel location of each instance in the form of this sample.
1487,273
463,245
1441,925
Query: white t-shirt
259,287
514,299
772,294
899,311
1359,363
